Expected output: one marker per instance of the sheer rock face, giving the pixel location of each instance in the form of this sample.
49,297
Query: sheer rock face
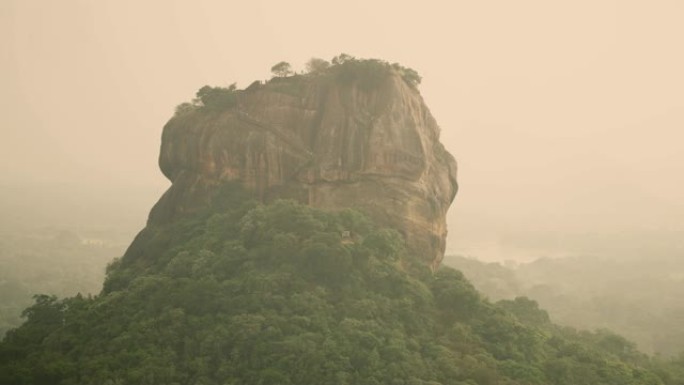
323,143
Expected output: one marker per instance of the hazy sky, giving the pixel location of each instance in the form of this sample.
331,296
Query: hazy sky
563,115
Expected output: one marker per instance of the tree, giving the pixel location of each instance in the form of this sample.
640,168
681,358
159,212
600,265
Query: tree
526,310
282,69
217,97
411,77
342,58
315,65
184,108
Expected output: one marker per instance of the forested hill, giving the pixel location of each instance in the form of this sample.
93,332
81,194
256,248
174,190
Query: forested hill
640,298
245,293
231,283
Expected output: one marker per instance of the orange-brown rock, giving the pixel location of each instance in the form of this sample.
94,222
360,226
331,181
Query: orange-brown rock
320,141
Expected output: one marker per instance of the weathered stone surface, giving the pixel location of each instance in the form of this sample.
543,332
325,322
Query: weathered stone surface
322,142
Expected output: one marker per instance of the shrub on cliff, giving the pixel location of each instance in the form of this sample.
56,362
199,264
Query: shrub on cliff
217,97
282,69
371,72
316,65
367,73
210,99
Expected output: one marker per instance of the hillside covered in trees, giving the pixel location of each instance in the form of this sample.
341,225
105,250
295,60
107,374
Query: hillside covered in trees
637,297
288,294
53,261
300,243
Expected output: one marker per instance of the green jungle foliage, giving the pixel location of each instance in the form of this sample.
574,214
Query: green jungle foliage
47,261
286,294
640,298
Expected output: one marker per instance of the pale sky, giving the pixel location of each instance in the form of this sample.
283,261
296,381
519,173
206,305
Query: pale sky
564,116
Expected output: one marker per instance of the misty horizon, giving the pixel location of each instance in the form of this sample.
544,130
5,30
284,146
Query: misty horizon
564,119
310,192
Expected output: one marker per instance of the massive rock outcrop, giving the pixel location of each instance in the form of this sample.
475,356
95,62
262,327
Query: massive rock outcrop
327,141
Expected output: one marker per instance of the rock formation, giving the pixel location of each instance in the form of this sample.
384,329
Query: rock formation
323,141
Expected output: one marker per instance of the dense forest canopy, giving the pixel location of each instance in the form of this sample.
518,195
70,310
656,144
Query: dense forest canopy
637,297
285,293
58,262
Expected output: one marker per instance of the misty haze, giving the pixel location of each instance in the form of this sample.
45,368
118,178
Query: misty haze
342,193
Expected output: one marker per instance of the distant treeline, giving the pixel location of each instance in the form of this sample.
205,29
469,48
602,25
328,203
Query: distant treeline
245,293
639,297
57,262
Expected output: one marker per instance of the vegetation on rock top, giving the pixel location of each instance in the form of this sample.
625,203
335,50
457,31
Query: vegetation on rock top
344,68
